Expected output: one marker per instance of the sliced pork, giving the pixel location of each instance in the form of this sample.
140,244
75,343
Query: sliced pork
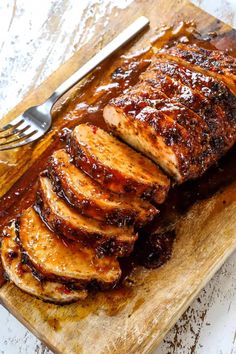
92,199
214,63
115,165
179,115
58,260
22,276
66,221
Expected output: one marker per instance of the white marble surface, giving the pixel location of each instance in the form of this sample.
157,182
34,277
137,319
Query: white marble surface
29,53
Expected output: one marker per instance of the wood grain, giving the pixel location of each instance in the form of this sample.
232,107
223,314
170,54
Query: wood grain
154,311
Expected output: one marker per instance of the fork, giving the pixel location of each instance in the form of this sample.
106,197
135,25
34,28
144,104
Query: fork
37,120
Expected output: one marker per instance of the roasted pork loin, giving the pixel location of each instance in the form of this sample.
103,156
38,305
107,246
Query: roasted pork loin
115,165
21,274
92,200
181,113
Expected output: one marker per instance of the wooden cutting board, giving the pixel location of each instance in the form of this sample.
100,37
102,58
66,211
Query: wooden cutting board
137,318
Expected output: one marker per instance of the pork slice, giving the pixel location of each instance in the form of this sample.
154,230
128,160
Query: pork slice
115,165
162,128
66,221
62,261
21,274
92,199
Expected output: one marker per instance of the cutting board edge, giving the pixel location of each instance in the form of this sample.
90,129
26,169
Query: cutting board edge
193,296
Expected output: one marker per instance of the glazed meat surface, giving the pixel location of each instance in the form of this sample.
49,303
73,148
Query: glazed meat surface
65,221
116,166
213,62
214,123
180,118
91,199
21,274
205,95
183,119
159,127
59,261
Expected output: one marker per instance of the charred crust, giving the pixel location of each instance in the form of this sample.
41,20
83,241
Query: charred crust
12,255
155,249
6,276
111,247
121,217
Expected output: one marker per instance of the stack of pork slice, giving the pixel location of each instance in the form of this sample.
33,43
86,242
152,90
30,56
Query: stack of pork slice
98,192
87,212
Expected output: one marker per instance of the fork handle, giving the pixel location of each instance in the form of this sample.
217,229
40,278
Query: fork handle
110,48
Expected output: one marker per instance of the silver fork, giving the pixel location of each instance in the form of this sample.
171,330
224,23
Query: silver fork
36,121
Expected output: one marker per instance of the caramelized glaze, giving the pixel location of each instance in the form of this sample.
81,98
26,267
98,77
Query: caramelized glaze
86,105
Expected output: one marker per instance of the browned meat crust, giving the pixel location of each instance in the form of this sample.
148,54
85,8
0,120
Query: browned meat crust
115,165
215,97
169,128
58,260
65,221
91,199
215,63
180,116
214,121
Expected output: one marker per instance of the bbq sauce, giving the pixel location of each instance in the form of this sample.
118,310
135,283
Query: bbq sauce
86,104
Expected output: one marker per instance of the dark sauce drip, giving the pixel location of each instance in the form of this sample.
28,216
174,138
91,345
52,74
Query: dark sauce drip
86,104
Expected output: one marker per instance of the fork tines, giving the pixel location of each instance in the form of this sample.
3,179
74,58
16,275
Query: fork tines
15,133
